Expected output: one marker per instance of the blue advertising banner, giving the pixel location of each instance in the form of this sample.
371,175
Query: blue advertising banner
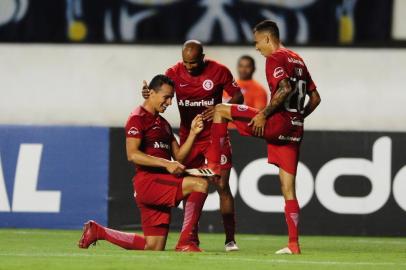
53,177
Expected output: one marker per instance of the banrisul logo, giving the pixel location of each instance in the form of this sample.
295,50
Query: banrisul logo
195,103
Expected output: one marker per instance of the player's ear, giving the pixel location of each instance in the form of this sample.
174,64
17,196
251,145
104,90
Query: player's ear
268,38
152,92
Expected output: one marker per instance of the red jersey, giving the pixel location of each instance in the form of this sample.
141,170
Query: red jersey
155,133
283,64
194,93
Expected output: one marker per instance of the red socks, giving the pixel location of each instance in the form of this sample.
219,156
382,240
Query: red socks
194,237
192,211
229,227
218,134
292,219
130,241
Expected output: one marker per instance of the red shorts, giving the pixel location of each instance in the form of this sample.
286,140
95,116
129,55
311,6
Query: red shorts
282,133
155,195
197,156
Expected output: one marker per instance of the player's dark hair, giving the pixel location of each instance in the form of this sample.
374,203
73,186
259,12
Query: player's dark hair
158,81
268,26
249,58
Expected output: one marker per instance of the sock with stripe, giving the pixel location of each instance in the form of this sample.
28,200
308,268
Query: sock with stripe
292,219
131,241
192,212
218,134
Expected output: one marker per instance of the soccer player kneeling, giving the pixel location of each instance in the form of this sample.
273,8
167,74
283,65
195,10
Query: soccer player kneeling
158,183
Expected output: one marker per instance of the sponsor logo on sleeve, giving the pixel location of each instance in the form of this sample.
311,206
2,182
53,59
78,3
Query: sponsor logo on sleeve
242,108
133,131
278,72
235,84
208,85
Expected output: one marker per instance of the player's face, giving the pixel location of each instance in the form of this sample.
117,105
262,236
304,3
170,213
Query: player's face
193,63
245,69
262,43
163,98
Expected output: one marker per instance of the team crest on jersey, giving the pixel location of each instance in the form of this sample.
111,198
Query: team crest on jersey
133,131
208,85
278,72
242,108
223,160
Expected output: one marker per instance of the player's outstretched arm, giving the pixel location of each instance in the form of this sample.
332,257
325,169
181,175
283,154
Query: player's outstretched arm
180,153
258,122
314,101
135,155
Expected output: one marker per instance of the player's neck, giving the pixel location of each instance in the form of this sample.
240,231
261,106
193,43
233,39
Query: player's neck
149,108
276,46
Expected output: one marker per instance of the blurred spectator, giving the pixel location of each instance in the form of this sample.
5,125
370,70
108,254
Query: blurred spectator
254,93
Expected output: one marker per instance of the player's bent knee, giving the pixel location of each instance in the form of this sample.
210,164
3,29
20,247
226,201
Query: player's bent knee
201,186
195,184
222,109
154,244
154,247
223,189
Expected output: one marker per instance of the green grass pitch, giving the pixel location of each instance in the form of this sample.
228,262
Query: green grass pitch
56,249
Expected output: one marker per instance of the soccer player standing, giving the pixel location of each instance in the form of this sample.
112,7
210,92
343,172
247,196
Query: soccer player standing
199,85
280,123
158,183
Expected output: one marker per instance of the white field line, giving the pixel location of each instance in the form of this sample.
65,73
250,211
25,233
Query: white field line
391,242
204,258
241,237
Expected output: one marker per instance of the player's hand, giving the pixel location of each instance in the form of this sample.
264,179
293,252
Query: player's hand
145,90
258,123
197,124
175,167
208,113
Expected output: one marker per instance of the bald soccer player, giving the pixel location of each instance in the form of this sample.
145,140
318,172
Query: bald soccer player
199,86
280,123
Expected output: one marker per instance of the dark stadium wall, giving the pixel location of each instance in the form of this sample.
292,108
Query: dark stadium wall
314,22
349,183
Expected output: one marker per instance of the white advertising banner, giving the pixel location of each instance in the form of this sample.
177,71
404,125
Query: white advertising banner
361,89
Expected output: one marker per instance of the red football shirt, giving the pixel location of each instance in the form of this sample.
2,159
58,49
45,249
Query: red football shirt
155,133
194,93
283,64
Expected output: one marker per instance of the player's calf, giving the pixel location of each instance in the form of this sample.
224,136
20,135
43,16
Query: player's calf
155,243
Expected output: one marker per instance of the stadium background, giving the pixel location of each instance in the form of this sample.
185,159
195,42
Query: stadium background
72,72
